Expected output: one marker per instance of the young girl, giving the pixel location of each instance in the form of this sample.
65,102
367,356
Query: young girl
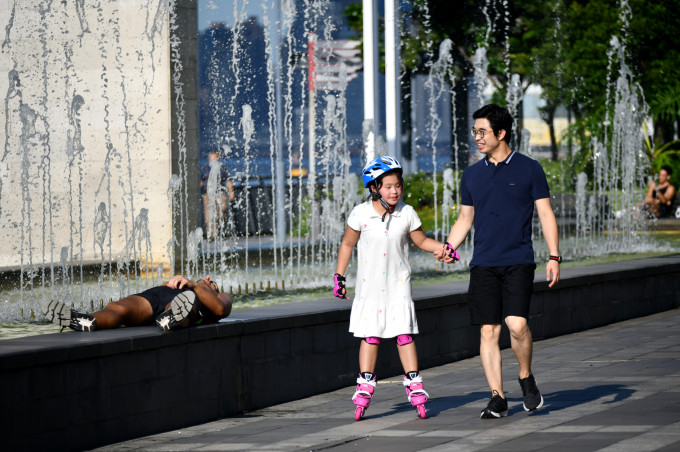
382,306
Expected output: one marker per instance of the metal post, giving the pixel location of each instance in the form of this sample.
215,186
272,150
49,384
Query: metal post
311,180
392,88
371,88
279,176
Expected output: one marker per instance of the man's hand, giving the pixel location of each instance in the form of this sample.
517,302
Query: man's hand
441,256
552,271
180,282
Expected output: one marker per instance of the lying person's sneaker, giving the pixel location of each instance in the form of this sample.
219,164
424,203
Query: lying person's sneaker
60,314
533,399
497,407
82,322
180,308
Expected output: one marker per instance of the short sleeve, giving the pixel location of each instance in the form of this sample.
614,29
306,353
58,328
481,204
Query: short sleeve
465,197
414,220
539,183
354,219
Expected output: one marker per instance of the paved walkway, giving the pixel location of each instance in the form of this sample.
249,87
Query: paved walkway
612,388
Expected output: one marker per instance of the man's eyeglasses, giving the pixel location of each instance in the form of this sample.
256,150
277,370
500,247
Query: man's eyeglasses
480,132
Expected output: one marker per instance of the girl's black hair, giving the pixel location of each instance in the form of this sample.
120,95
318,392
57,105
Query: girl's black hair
378,180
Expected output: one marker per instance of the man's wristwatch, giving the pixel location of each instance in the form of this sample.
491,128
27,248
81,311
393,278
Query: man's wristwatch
555,258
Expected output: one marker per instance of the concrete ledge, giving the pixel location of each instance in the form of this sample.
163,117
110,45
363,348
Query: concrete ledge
75,391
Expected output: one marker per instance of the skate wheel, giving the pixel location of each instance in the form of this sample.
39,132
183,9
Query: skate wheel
358,413
422,412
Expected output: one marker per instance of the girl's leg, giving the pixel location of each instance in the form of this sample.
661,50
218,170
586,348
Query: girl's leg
368,357
409,357
413,382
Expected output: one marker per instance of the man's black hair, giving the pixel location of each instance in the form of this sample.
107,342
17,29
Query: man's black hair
499,118
668,169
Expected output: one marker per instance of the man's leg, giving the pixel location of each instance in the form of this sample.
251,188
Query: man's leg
130,311
522,343
490,354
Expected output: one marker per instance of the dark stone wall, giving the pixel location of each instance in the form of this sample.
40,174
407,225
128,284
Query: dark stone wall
184,123
74,391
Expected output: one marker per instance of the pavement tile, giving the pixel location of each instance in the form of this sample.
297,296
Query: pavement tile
602,392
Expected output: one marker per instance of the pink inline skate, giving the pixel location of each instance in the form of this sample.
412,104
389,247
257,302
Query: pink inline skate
364,393
413,383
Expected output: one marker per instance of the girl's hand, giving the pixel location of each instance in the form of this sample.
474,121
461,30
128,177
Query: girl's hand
339,289
446,254
451,251
441,256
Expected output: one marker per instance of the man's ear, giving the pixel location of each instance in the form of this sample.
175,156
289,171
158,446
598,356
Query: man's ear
501,135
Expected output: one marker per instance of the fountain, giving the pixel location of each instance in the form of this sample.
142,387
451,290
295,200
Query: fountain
97,192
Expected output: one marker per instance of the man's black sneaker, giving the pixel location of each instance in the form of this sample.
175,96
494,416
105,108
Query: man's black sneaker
497,408
180,308
533,399
60,314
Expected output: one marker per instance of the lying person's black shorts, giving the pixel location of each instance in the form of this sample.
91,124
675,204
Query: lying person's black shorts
159,297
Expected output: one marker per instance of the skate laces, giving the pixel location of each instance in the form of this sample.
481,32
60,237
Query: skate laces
361,391
418,390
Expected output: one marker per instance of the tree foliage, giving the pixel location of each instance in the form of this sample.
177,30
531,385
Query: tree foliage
561,45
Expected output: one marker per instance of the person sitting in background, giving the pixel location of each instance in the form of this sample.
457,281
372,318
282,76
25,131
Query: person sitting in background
177,303
660,196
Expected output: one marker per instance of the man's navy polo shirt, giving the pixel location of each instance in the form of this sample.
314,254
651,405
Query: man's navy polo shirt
503,197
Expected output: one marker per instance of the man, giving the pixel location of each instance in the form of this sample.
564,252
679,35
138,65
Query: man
177,303
215,185
497,196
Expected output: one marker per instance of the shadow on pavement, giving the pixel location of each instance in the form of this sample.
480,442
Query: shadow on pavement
560,400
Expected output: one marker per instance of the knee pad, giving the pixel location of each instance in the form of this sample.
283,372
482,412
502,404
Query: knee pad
372,340
404,339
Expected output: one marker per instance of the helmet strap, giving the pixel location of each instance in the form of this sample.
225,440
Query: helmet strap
373,196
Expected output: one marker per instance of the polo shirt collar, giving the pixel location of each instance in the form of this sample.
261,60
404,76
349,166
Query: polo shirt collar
506,161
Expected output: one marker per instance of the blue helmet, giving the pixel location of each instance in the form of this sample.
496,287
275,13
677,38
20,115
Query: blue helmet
379,166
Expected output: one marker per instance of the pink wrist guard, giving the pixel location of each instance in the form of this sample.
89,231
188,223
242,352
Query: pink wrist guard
339,288
451,251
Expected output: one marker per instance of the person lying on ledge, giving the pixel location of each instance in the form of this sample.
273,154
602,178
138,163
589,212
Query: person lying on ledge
177,303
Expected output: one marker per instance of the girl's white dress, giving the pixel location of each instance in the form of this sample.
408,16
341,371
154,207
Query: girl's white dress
383,305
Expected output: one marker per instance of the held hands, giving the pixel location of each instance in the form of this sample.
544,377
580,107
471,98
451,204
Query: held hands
447,254
451,251
339,290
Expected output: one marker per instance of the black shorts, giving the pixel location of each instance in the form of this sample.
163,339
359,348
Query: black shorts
159,297
498,292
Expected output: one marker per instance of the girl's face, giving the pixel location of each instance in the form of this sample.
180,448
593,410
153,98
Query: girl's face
391,189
